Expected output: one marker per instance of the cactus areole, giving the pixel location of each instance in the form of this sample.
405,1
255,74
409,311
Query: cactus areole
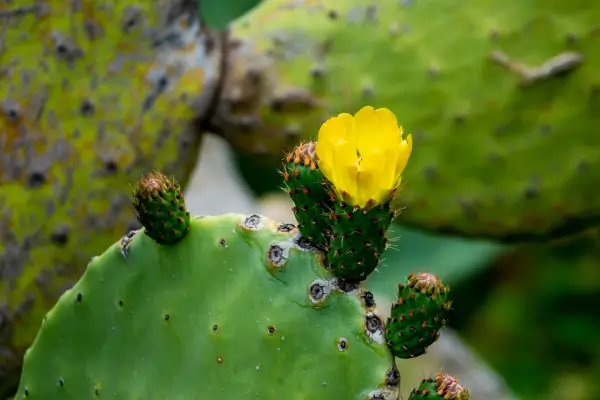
241,307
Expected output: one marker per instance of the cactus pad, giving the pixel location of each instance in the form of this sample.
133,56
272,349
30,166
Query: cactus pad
236,309
93,93
500,97
417,316
442,387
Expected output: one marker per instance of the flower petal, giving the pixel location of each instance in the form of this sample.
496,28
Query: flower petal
330,133
376,128
349,131
389,133
388,159
369,177
405,149
346,168
365,123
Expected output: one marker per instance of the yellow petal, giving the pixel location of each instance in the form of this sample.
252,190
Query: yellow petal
349,130
376,128
330,133
331,130
388,160
365,122
405,149
389,133
346,168
369,177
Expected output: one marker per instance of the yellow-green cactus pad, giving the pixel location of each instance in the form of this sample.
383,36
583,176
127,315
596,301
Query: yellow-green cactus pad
502,99
92,93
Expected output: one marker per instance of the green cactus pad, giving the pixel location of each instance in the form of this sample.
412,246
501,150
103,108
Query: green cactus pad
91,97
160,208
417,316
307,188
499,97
442,387
358,239
240,308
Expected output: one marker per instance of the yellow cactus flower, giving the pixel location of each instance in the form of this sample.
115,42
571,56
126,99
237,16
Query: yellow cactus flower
363,156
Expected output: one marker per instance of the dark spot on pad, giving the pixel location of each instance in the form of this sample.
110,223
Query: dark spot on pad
286,227
332,14
570,38
222,242
368,299
120,303
87,108
162,84
346,286
252,221
79,297
393,377
111,166
61,382
373,323
317,291
342,344
60,236
276,256
215,328
305,244
277,105
167,317
36,179
132,17
317,72
271,329
11,109
532,192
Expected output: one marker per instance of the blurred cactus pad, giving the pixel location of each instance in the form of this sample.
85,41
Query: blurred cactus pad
228,306
92,94
501,97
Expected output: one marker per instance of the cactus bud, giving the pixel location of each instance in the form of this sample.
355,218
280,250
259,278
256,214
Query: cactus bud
417,316
307,188
443,387
160,208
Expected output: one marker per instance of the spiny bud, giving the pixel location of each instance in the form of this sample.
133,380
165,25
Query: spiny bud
160,208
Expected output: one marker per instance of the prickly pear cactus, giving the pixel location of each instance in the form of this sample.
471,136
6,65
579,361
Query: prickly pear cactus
92,94
236,306
239,307
500,97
